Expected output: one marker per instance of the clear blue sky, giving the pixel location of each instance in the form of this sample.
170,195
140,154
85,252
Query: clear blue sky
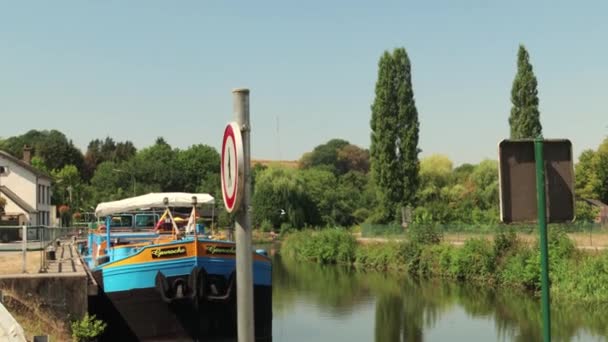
137,70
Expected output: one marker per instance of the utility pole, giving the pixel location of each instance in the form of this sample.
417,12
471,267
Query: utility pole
244,259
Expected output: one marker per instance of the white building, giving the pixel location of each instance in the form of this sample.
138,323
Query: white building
27,191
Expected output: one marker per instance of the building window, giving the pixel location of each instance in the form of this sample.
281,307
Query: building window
48,195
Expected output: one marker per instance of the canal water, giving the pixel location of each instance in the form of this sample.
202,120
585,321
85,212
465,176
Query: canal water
330,303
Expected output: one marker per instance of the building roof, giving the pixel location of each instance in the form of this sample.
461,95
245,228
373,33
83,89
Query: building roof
24,165
16,199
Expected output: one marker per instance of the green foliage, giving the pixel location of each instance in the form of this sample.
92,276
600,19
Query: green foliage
525,116
361,214
501,261
285,229
328,246
504,241
281,196
586,280
382,255
467,194
266,226
325,155
351,158
224,219
521,268
39,165
53,147
394,138
585,212
87,329
99,151
436,259
424,234
475,260
592,174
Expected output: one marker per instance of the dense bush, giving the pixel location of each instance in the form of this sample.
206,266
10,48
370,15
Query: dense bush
475,260
502,261
380,255
328,246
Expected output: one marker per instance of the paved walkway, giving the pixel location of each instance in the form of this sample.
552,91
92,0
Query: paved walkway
66,260
364,240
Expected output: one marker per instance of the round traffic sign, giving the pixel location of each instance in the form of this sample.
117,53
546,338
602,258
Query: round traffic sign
232,172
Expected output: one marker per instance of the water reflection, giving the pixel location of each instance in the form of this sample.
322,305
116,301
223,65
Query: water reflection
336,303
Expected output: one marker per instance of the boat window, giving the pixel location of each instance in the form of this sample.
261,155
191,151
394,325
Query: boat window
122,221
146,220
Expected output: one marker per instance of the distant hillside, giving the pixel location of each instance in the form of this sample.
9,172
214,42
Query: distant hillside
291,164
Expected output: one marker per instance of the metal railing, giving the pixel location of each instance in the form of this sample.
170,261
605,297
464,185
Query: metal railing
26,239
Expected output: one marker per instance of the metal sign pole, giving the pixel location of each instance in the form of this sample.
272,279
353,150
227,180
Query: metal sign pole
542,225
244,272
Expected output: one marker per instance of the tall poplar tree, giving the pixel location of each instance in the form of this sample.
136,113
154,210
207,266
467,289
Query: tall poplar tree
394,138
525,117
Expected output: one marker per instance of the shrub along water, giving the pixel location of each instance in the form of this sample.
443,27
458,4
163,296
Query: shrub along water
505,261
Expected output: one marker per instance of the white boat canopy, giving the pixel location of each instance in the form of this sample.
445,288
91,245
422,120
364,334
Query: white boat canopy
152,200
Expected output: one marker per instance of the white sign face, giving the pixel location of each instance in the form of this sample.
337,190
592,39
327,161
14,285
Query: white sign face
232,167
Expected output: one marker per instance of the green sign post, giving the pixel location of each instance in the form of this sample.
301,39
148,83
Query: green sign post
542,227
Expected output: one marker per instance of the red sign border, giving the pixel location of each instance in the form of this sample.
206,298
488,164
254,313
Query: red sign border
232,201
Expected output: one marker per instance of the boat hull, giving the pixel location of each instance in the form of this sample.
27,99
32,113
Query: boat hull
178,291
140,315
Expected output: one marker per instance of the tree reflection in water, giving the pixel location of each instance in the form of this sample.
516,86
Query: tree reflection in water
405,308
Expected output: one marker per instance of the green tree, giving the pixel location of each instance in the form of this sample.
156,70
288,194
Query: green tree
525,116
602,170
108,184
587,180
325,155
39,165
485,179
158,165
352,158
53,147
280,197
592,173
99,151
68,189
320,187
200,169
394,138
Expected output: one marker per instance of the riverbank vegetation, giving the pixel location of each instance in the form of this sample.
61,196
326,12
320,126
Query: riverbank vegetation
505,261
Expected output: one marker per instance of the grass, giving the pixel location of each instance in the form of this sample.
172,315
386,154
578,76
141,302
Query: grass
35,320
12,262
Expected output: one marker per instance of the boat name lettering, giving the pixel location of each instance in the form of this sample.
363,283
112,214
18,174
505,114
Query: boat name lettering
167,252
220,250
